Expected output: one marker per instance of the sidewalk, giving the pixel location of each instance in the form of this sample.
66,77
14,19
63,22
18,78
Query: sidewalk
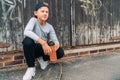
101,67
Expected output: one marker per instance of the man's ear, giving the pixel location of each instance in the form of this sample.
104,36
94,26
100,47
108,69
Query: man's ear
35,13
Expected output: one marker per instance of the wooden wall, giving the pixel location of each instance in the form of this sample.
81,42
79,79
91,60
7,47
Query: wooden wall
11,23
73,24
98,23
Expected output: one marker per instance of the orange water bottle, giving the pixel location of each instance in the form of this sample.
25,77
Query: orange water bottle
53,56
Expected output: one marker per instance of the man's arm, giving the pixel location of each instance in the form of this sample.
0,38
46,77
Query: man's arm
29,29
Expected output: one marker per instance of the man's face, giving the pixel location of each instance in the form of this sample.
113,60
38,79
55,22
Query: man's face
42,13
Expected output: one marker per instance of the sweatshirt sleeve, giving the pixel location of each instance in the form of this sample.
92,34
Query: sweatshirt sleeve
29,29
53,36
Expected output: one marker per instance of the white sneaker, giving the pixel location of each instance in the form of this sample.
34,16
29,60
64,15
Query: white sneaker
42,63
29,74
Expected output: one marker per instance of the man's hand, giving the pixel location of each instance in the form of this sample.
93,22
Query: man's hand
47,49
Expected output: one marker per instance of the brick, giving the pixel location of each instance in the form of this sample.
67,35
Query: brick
94,51
12,52
66,47
4,45
102,50
6,58
115,37
67,58
1,53
72,54
84,53
13,62
117,48
110,49
66,55
1,58
1,65
18,57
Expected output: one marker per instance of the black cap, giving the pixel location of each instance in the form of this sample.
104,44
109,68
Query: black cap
41,4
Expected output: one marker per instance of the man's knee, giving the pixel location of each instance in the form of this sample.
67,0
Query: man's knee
27,42
60,53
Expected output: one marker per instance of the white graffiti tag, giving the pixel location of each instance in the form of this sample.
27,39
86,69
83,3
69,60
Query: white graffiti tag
8,7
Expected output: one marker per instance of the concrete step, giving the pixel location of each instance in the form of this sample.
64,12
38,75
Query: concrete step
16,58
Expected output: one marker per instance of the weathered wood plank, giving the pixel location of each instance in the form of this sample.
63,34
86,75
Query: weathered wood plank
72,25
11,20
98,27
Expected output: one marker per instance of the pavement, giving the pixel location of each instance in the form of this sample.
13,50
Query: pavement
97,67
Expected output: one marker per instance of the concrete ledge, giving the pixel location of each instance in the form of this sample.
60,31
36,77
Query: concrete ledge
96,48
69,55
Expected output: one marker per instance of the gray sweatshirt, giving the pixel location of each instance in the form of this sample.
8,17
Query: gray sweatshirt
35,31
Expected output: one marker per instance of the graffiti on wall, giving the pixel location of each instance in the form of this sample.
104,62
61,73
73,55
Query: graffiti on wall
8,7
11,21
